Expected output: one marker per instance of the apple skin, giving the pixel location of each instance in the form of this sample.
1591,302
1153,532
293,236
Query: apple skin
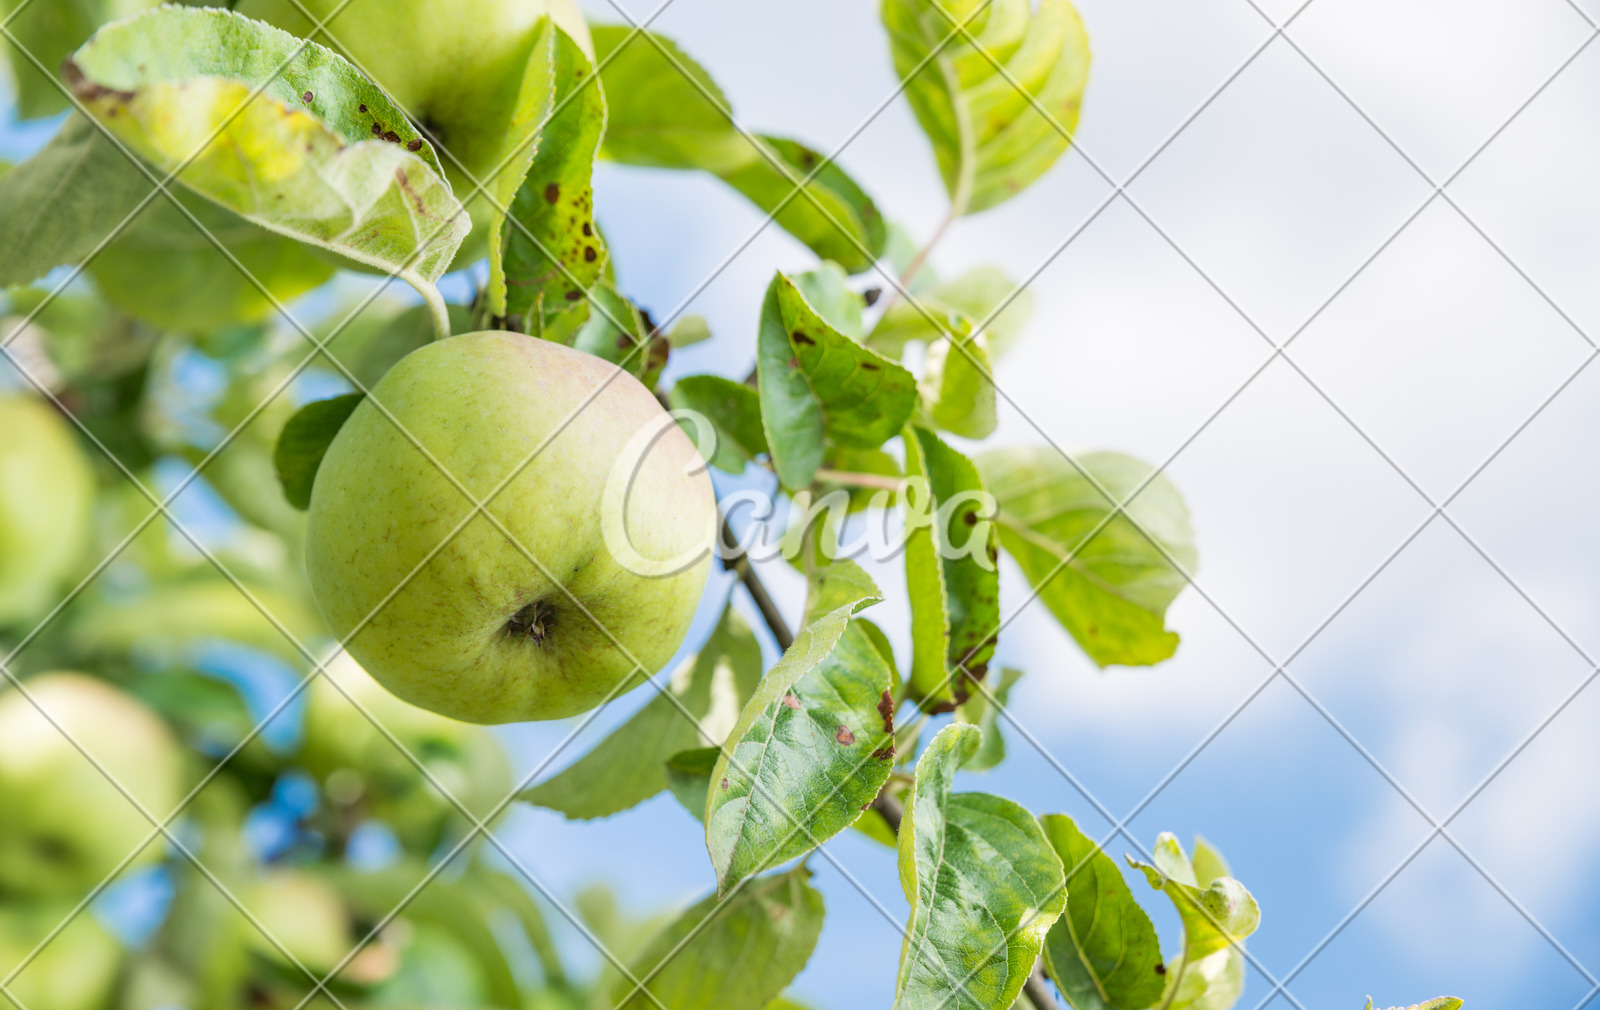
76,971
454,66
480,633
341,741
46,490
302,912
66,826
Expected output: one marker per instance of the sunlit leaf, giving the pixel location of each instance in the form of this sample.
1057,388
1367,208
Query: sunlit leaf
975,296
545,259
666,112
1208,971
983,883
832,215
989,135
957,387
629,766
1438,1003
950,573
1098,572
319,155
817,384
1103,952
733,955
986,714
811,749
826,289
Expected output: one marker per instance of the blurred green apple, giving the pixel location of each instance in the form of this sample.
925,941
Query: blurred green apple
454,66
361,769
46,489
77,970
613,501
65,825
305,914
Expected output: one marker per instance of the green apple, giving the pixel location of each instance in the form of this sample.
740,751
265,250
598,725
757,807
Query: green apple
77,970
454,66
305,914
65,825
362,770
613,503
46,489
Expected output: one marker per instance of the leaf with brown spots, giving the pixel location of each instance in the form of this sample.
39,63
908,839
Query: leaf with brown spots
799,764
950,576
548,254
814,388
165,81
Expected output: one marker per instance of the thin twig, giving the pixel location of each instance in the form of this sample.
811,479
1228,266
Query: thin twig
757,590
1037,989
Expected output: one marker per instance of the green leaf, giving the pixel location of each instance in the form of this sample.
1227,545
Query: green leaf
689,778
667,112
617,332
1439,1003
957,387
987,131
1103,952
308,168
688,331
983,883
812,747
975,295
59,205
817,384
826,289
1208,973
1110,590
550,253
305,440
659,117
985,714
165,271
1208,862
752,947
629,766
842,583
734,410
50,30
832,215
950,572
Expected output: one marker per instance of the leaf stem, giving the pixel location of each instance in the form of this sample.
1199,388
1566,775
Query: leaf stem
920,260
758,592
437,309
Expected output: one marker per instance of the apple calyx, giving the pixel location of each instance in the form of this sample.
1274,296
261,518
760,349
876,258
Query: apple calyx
532,622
